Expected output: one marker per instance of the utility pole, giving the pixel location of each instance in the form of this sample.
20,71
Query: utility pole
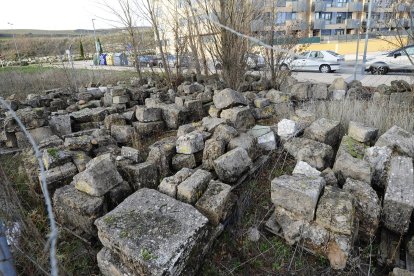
357,50
364,58
15,44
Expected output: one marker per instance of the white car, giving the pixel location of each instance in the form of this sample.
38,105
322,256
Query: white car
401,60
322,61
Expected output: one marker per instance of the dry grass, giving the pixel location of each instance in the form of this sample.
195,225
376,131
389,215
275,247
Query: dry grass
35,79
381,116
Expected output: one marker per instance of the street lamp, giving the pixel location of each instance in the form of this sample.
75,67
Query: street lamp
364,58
94,34
15,44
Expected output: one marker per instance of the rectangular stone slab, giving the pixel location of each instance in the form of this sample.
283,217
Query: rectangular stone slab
399,194
155,234
298,194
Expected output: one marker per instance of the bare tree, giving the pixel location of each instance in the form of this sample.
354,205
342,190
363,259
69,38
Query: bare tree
125,16
230,49
151,10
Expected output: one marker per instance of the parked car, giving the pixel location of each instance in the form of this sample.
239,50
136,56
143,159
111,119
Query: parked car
148,61
308,62
172,61
400,60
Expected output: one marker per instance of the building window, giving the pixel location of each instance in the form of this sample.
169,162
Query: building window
281,18
326,32
341,3
324,15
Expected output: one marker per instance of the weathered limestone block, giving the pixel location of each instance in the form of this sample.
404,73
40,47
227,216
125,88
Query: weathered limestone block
228,98
213,149
59,176
316,154
118,193
190,143
60,125
245,141
263,113
305,169
338,84
146,115
180,161
173,115
338,95
398,140
336,211
80,159
265,137
114,119
319,91
261,102
213,202
110,264
98,178
230,166
120,99
301,91
169,184
399,196
143,175
161,154
368,208
349,162
362,133
89,115
241,117
185,129
225,133
378,159
287,191
78,210
82,143
330,178
324,131
161,237
145,129
191,189
211,123
54,157
287,128
132,154
277,96
122,134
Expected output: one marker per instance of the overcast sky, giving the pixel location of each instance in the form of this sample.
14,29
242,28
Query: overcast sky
53,14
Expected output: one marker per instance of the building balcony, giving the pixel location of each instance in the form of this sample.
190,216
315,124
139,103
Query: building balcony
299,25
300,6
355,7
319,24
320,6
352,23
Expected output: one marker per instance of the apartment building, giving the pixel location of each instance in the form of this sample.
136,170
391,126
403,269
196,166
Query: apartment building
326,19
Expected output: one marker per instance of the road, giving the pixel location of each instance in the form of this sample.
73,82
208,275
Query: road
346,72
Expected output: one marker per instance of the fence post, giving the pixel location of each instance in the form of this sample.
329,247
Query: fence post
6,258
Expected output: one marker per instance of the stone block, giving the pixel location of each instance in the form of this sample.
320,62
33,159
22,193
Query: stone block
145,129
191,189
378,159
263,113
398,140
82,143
77,210
54,157
114,119
59,176
287,128
362,133
225,133
338,95
132,154
301,91
368,208
120,99
98,178
305,169
38,135
241,117
336,211
261,102
316,154
146,115
211,123
277,96
398,203
161,154
265,137
122,134
288,191
213,202
324,131
169,184
60,125
213,149
230,166
228,98
161,237
190,143
143,175
180,161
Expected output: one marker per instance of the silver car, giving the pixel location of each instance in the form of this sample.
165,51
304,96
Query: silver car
401,60
308,63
